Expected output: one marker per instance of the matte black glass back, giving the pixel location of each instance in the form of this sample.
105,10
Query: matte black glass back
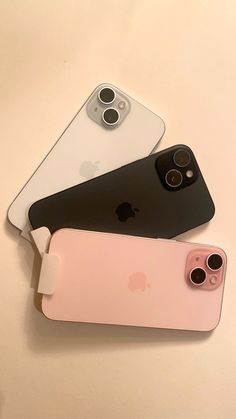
162,195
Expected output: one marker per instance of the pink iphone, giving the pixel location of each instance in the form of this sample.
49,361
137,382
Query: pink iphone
115,279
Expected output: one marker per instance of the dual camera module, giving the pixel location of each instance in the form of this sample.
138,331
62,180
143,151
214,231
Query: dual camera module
177,169
174,177
198,275
110,115
108,107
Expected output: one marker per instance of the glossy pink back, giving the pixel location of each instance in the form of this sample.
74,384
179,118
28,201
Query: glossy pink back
126,280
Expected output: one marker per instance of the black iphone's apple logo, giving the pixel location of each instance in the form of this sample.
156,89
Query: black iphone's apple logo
125,211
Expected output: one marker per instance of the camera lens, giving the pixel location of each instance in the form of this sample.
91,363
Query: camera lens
110,116
106,95
198,276
174,178
214,262
182,158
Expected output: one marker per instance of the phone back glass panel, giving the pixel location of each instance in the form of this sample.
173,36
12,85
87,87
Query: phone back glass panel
87,149
131,200
127,280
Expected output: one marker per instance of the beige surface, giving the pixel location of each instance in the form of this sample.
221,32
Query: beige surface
177,57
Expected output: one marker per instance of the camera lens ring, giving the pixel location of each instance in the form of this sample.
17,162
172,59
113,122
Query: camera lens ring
217,259
187,158
198,282
171,185
102,94
106,121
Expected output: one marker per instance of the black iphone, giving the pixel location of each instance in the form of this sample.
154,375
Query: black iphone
162,195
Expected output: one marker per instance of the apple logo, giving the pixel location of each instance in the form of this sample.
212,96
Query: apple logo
138,281
88,169
125,210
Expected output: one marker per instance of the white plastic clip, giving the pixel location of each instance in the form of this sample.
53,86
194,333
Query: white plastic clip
48,274
41,238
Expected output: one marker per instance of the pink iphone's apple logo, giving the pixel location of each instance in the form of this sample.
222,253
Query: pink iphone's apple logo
125,211
138,281
88,169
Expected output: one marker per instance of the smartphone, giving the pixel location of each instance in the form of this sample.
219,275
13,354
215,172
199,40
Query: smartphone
110,130
135,281
162,195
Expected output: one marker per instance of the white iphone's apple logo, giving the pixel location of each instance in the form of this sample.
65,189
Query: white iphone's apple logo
138,281
88,169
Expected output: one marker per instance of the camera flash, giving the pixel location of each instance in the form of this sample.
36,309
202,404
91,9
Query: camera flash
213,280
189,173
121,105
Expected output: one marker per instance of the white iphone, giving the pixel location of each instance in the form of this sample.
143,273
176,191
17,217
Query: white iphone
110,130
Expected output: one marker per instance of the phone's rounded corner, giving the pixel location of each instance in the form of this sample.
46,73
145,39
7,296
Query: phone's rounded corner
212,211
58,232
185,146
9,212
212,328
163,128
30,213
10,216
45,312
179,145
223,253
104,84
159,139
